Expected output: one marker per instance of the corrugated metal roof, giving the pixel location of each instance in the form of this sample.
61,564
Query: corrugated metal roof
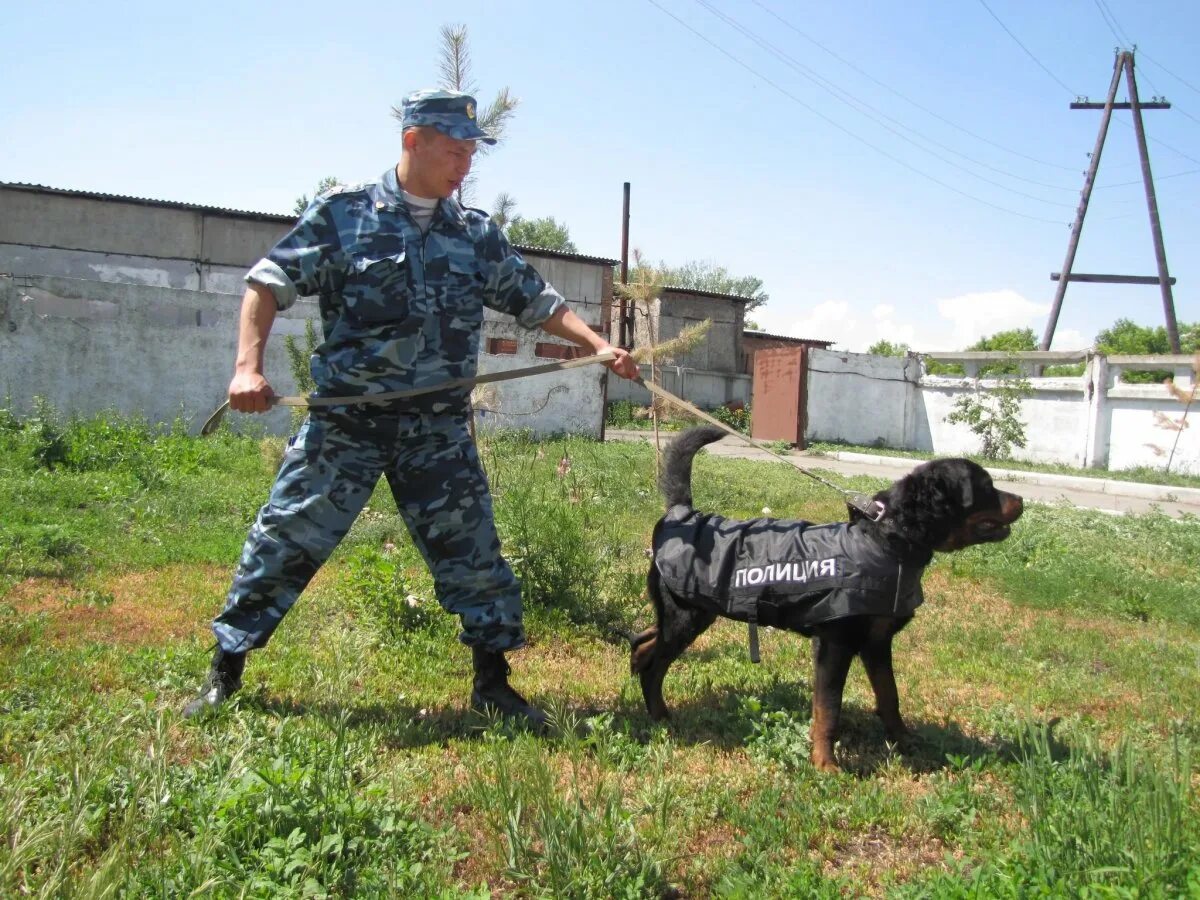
145,201
750,332
272,217
716,295
559,254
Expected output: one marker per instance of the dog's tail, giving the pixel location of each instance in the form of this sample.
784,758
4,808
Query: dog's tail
676,479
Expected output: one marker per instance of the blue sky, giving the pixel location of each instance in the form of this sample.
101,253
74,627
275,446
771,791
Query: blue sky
736,143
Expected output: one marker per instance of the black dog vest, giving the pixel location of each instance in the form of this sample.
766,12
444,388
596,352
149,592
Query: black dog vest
789,574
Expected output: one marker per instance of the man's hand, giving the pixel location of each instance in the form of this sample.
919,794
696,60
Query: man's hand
250,392
624,365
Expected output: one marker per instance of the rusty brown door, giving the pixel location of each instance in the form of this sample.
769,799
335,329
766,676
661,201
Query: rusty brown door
780,396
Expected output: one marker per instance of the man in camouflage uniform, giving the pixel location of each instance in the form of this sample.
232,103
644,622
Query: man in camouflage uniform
402,272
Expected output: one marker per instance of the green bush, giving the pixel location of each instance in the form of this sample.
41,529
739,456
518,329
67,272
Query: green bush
375,587
737,419
995,416
627,414
619,414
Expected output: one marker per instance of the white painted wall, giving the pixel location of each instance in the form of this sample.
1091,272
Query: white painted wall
1090,421
859,398
1056,417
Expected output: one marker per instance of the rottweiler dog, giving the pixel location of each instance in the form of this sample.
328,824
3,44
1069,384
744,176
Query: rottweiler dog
851,586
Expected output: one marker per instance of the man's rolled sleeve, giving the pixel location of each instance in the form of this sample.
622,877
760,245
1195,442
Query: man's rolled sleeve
272,276
516,288
307,260
541,308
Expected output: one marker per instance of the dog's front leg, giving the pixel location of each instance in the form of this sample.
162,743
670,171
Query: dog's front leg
877,660
832,662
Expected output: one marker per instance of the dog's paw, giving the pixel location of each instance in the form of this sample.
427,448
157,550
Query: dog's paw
825,763
902,740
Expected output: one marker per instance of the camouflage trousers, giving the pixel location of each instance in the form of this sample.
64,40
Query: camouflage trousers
329,470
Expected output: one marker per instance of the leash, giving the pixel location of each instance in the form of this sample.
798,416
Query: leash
868,506
214,421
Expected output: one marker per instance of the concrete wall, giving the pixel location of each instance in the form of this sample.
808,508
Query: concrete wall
118,279
675,310
700,388
139,242
88,346
571,400
859,398
1091,420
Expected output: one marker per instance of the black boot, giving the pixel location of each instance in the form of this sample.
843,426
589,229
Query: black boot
492,693
224,678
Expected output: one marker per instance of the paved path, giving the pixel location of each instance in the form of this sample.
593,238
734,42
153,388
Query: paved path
1102,494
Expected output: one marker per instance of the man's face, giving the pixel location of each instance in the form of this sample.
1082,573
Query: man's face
439,164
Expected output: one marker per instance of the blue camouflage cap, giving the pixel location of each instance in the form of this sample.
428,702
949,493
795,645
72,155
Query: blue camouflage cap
450,112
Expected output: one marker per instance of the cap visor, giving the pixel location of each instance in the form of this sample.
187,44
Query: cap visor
470,132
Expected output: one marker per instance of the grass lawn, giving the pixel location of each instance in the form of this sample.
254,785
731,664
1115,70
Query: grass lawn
1052,682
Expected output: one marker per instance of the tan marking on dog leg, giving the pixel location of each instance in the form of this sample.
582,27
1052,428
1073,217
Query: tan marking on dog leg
642,655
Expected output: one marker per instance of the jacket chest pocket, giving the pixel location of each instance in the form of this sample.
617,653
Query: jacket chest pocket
377,290
462,296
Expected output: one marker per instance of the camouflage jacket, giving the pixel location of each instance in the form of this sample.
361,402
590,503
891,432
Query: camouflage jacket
399,309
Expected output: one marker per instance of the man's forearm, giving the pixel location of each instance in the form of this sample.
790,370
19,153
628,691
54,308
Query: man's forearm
254,324
568,326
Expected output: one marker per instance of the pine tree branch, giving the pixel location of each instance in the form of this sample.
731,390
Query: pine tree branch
455,62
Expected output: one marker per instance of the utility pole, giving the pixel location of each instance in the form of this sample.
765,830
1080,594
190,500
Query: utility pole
623,313
1123,65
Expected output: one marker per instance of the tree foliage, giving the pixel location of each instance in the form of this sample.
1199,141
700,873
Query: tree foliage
1126,338
1014,340
322,186
885,347
503,210
706,275
546,233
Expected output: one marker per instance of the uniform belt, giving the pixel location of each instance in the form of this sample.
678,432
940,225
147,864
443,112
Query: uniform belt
214,421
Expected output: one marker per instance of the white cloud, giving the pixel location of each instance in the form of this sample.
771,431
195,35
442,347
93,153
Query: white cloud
960,321
834,320
972,316
1070,339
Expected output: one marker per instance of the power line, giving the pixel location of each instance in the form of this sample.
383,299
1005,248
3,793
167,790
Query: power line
1164,144
1156,178
1111,21
852,101
1118,32
1026,49
841,127
1147,57
1174,106
905,97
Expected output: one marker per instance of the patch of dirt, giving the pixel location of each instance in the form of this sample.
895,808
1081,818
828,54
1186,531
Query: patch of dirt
873,858
132,609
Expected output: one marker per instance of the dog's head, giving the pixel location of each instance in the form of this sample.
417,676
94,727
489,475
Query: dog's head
944,505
